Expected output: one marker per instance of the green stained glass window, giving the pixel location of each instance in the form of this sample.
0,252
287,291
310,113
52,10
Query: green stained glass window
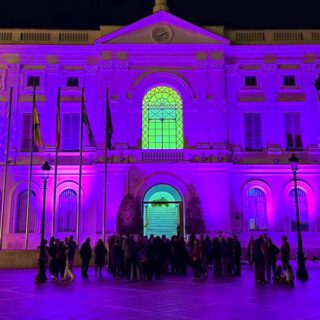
162,119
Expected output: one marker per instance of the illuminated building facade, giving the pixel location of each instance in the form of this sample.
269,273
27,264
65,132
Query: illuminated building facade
204,120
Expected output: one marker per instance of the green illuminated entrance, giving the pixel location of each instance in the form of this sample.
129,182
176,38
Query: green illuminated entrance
162,211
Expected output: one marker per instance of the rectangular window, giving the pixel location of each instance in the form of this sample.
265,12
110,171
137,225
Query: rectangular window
293,131
72,82
70,132
252,124
33,81
26,133
289,81
250,81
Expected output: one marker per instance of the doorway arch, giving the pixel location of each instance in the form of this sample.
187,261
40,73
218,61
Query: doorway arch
162,211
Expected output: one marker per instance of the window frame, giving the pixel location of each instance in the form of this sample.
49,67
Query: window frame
162,119
262,225
253,137
296,131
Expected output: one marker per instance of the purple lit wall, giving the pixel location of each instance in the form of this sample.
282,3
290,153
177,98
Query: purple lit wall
213,170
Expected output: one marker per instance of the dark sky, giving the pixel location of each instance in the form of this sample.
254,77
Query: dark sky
93,13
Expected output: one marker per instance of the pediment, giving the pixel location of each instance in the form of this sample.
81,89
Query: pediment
180,32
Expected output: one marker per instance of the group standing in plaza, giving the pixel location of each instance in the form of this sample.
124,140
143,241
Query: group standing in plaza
262,255
144,258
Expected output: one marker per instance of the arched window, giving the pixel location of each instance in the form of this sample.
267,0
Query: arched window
257,207
21,215
67,217
162,119
303,210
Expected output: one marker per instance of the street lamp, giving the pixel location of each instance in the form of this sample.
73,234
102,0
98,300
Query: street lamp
302,273
41,276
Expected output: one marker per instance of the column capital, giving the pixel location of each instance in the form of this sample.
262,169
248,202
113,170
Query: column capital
14,67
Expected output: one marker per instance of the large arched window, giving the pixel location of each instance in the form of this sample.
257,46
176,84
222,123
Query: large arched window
162,119
21,214
257,209
67,217
303,210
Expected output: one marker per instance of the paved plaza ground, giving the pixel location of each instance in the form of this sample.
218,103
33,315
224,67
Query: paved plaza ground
174,297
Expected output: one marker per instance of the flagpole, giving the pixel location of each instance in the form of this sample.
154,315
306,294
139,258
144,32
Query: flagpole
105,172
56,166
4,185
80,169
30,171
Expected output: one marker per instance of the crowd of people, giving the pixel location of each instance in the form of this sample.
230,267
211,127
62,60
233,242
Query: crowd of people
144,258
262,255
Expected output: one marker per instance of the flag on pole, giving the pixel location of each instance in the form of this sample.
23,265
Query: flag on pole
36,123
58,123
109,124
85,120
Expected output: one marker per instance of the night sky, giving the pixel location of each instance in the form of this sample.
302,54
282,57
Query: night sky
90,14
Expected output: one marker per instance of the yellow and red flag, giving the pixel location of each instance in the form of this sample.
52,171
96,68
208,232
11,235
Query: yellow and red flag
36,123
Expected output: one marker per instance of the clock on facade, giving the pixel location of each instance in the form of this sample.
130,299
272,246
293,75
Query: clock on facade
162,34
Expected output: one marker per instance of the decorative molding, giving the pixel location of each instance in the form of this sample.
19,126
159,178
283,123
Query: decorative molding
14,67
309,58
217,55
53,68
92,69
122,64
201,56
270,68
310,68
12,58
270,59
107,64
216,64
106,55
231,68
52,59
122,56
202,64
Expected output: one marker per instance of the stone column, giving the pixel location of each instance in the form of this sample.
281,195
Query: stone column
231,95
13,80
309,123
216,103
48,123
274,115
202,121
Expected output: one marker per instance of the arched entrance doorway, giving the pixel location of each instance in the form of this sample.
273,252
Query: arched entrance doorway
162,211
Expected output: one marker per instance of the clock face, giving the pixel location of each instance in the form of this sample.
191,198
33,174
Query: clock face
162,34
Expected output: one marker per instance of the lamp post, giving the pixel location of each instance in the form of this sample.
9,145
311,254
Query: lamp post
302,273
41,276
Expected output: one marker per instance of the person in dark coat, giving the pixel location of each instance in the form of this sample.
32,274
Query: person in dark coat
196,259
100,257
259,253
86,255
130,251
236,256
250,250
117,257
155,258
229,257
285,252
52,254
271,259
71,246
217,258
61,259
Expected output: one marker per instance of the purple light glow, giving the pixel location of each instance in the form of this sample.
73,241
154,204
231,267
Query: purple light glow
213,172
